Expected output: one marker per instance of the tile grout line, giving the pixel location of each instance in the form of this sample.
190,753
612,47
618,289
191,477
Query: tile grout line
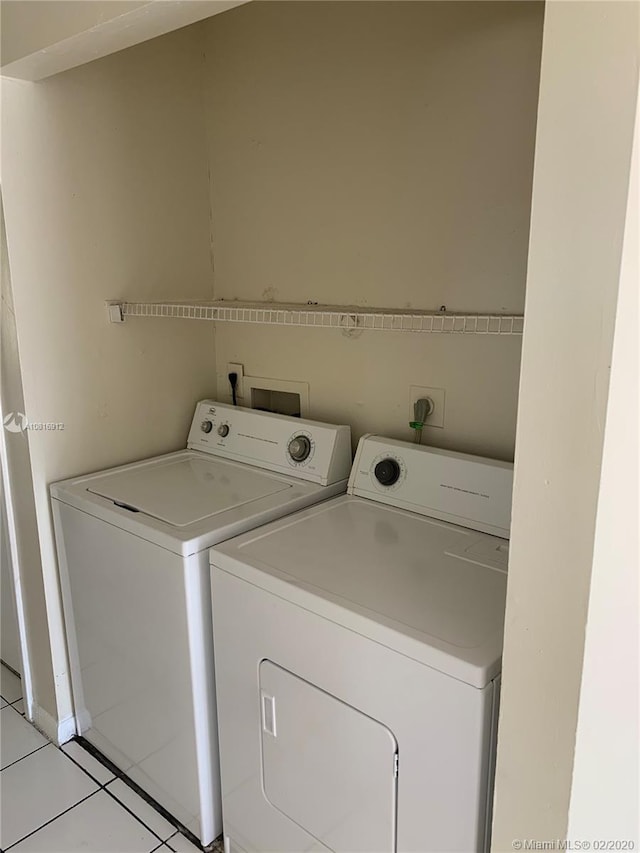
46,823
138,791
84,769
122,776
95,753
22,757
139,819
3,666
101,787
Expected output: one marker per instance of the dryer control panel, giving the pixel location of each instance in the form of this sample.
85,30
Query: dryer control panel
471,491
306,449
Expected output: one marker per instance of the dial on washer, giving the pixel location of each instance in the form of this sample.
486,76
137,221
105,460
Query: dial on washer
299,448
387,472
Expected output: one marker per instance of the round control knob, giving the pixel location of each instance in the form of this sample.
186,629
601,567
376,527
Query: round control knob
299,448
387,472
223,430
206,426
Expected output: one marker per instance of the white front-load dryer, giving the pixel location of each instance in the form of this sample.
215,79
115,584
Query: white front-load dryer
133,553
358,653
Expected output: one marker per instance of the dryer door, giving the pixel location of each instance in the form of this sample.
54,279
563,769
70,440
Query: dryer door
327,766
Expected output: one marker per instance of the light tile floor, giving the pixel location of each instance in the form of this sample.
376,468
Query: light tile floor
56,800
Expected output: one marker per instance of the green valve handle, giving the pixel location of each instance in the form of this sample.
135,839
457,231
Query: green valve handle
422,408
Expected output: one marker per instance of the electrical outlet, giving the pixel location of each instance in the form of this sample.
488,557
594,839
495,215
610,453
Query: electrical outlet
239,369
436,418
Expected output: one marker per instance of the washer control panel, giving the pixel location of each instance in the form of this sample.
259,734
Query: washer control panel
306,449
467,490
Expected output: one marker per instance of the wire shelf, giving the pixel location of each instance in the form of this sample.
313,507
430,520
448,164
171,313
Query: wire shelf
328,317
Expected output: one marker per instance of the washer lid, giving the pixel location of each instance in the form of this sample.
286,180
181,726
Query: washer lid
183,491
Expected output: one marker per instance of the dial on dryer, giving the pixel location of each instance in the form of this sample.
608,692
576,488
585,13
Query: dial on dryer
387,471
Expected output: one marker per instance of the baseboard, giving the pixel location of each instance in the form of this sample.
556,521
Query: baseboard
58,731
66,729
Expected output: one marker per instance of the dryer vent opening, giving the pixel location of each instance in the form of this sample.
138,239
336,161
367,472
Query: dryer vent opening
279,402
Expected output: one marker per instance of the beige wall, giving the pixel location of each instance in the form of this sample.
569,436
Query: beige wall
608,736
105,186
23,517
588,97
377,154
334,133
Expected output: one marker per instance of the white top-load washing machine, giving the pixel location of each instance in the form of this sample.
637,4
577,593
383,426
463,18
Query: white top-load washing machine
132,547
358,653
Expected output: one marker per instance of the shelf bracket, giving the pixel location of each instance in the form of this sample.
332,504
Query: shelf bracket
115,312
